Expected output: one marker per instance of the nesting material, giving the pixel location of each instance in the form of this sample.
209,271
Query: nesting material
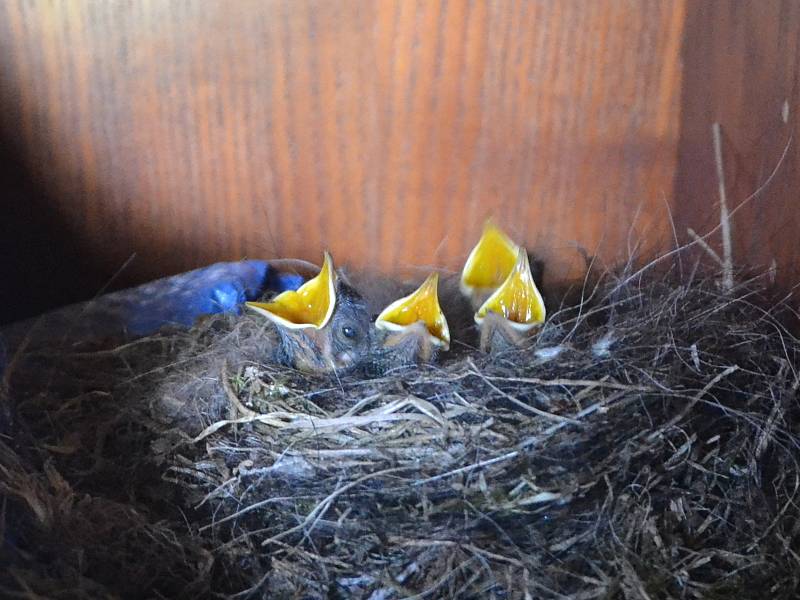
643,445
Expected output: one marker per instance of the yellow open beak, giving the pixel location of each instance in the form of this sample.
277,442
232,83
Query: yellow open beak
489,263
310,306
517,299
422,305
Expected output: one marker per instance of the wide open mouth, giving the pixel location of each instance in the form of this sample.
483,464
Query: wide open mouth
420,306
310,306
517,299
490,261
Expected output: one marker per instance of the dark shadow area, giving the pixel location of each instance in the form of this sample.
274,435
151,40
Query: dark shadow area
41,265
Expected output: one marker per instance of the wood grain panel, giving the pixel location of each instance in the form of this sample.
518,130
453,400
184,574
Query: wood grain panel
194,131
742,69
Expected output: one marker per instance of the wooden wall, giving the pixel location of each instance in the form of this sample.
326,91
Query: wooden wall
742,69
191,131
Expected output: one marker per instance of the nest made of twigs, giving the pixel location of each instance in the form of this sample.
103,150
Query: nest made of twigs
644,445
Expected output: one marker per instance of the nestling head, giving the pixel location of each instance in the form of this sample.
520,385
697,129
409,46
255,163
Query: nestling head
413,328
322,327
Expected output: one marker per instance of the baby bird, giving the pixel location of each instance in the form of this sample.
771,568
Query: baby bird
498,281
322,327
513,312
413,328
488,264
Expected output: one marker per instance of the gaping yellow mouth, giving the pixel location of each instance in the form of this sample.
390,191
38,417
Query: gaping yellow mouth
421,306
310,306
489,263
517,299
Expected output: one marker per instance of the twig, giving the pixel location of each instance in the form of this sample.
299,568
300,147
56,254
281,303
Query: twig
522,405
704,245
601,383
525,444
697,397
323,506
769,429
288,421
724,215
237,406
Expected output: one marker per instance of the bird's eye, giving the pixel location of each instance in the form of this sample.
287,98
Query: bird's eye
348,332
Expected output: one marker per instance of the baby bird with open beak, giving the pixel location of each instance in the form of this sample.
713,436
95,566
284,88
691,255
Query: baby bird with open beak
413,328
322,327
498,281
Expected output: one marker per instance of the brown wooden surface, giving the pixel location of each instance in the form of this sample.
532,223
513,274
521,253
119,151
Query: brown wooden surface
387,130
195,131
742,69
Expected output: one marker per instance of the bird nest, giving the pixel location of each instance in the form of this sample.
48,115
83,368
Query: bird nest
643,445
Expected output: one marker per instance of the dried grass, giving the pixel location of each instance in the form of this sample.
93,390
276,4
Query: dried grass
643,446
